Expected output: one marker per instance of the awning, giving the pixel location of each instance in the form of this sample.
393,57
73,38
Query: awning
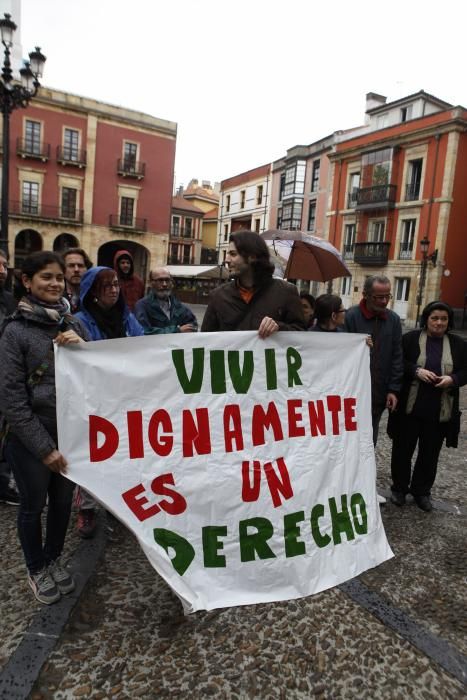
206,271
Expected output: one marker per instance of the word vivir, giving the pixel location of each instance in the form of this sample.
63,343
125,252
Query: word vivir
240,429
253,535
241,375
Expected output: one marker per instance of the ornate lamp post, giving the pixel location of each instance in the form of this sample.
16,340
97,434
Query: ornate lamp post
12,96
424,245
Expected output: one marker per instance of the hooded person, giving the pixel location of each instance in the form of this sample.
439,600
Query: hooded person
131,285
105,315
104,312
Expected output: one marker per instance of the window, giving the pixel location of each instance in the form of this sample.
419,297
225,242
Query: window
257,225
279,219
130,154
401,292
354,185
406,113
294,182
186,254
282,187
312,216
346,286
175,225
174,253
292,215
226,232
242,199
259,195
30,198
382,121
71,145
69,198
33,137
377,167
315,176
188,228
227,203
349,241
407,239
414,178
127,207
376,232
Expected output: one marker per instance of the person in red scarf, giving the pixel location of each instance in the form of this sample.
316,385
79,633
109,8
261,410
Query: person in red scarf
373,317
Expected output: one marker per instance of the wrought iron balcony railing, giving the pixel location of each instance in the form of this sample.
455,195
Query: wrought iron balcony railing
181,232
71,156
122,221
377,197
31,208
29,148
412,192
131,168
405,251
370,253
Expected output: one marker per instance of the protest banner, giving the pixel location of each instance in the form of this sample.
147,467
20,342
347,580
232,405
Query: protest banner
245,467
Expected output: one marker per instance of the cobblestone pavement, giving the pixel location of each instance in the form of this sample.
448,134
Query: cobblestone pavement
397,631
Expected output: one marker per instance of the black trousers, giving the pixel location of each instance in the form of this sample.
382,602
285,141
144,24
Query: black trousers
429,435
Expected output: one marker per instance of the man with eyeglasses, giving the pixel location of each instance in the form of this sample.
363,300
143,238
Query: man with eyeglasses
160,311
372,317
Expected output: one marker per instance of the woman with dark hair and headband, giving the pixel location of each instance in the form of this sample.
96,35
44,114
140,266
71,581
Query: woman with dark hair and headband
435,366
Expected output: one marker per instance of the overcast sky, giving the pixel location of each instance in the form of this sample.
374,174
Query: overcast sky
247,79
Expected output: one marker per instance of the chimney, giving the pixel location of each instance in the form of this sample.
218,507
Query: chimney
374,100
206,184
180,191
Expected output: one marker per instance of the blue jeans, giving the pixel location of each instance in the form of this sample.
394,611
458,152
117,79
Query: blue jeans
35,482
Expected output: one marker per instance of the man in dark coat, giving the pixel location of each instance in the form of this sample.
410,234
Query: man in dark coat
253,299
7,306
76,264
372,317
160,311
131,285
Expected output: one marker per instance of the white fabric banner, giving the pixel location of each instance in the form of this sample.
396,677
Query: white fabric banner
245,467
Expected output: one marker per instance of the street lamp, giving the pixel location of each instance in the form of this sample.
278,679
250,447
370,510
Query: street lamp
12,96
424,246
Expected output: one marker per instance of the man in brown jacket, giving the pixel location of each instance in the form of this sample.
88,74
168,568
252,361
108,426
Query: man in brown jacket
253,299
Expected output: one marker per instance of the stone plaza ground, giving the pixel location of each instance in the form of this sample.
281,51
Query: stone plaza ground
396,631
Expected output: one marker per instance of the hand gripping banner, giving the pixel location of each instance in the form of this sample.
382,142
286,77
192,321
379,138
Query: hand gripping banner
245,467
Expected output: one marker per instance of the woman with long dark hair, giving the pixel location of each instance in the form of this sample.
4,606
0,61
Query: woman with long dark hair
435,366
28,403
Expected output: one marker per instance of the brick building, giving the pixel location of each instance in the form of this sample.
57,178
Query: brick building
90,174
398,180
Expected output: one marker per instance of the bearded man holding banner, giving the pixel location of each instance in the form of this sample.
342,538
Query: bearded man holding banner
253,299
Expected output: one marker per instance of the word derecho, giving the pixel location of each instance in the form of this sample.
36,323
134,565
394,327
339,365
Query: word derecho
241,429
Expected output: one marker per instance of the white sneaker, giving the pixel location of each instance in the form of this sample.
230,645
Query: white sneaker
381,499
44,587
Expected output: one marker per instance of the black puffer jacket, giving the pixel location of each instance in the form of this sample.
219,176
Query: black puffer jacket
30,408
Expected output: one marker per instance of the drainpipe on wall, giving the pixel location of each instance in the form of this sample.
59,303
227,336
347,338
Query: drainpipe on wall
329,288
430,203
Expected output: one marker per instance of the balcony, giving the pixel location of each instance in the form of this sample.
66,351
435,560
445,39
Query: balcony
34,210
377,197
374,254
28,148
71,156
405,252
121,222
131,168
412,192
180,232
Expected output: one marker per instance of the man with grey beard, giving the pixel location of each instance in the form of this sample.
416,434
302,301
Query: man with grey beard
160,311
